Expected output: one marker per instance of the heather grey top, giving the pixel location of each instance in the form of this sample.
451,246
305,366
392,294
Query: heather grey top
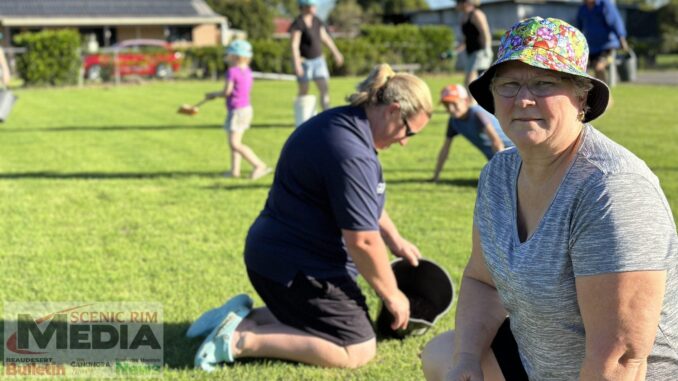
609,215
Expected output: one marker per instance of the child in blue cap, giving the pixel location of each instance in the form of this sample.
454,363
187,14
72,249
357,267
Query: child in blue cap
237,93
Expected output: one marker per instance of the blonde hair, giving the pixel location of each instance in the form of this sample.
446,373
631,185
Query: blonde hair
383,86
240,60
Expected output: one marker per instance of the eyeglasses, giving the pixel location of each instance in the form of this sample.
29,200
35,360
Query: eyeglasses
539,87
408,129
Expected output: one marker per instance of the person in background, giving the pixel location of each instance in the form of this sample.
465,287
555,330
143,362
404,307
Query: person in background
4,67
573,273
307,35
239,118
477,40
604,29
472,122
324,223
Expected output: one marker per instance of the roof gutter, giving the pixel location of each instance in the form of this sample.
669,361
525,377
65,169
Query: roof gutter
102,21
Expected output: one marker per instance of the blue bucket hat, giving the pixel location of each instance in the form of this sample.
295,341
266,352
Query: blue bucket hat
550,44
240,48
307,3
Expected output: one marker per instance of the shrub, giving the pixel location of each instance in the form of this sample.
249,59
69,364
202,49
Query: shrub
379,43
272,56
52,57
205,61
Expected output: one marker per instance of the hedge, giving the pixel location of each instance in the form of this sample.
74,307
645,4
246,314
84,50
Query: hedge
393,44
52,57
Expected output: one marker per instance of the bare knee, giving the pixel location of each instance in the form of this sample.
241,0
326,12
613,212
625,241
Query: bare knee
303,88
237,147
360,354
437,355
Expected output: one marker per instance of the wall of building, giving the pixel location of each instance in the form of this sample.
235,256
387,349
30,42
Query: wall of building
206,35
141,31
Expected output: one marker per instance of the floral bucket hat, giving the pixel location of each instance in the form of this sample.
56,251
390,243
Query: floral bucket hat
550,44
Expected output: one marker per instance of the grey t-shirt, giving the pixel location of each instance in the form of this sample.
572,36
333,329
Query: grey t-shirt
609,215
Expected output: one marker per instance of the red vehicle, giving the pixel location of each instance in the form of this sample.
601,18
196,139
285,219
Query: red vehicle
142,57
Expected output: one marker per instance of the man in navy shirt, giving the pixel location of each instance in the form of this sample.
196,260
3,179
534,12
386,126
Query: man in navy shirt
604,30
324,223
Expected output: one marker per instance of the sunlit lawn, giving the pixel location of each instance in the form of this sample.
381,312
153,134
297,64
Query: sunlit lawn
107,194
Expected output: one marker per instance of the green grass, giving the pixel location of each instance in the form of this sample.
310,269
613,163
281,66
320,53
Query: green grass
106,194
667,61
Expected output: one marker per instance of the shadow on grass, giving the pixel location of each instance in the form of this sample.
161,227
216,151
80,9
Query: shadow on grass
179,350
468,182
108,176
136,128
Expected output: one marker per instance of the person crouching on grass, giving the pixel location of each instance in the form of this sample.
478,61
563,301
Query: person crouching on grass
324,223
471,121
237,93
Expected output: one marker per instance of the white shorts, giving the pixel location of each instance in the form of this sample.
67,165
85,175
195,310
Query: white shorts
239,119
479,60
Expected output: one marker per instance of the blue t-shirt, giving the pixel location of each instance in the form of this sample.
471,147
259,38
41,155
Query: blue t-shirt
328,178
602,26
473,129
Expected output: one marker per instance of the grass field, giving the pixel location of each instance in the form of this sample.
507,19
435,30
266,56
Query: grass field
106,194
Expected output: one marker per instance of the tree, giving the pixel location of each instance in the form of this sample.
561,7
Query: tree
253,16
348,15
668,26
392,7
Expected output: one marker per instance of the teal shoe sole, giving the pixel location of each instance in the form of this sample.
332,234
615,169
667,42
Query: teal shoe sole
212,318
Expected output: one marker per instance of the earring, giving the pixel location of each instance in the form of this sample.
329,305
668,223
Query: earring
581,116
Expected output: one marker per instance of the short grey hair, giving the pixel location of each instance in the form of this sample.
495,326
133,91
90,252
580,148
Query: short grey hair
582,86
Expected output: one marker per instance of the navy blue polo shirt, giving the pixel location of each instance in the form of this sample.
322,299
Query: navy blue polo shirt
328,178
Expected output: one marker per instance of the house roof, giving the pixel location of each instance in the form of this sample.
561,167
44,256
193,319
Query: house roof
105,12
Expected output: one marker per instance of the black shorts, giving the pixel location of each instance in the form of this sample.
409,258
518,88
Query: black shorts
506,351
333,309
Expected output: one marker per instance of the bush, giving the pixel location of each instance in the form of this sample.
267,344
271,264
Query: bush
359,57
205,61
272,56
406,43
380,43
52,57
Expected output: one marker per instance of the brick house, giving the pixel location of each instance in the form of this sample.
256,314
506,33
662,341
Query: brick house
183,22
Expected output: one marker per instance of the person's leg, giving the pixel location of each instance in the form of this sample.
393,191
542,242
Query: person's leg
442,157
471,69
437,356
261,335
305,79
303,88
323,88
235,140
305,322
600,68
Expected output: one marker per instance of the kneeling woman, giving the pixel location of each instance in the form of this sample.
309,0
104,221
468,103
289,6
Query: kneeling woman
323,224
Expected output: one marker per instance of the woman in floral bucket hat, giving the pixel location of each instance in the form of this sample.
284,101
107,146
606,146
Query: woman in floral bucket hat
573,272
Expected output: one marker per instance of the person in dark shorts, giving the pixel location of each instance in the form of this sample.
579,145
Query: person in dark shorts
324,223
307,36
